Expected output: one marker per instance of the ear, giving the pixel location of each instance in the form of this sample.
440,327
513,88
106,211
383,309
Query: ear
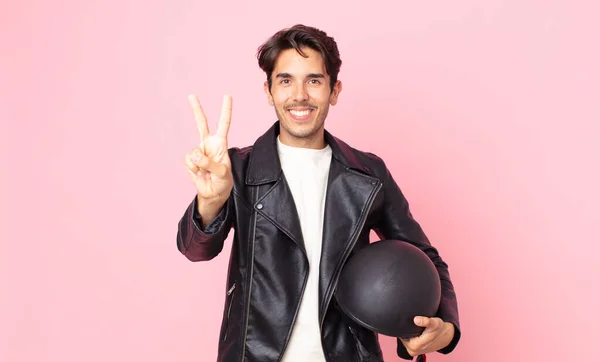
268,93
337,89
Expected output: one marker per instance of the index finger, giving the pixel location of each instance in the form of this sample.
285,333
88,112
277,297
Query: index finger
201,122
225,120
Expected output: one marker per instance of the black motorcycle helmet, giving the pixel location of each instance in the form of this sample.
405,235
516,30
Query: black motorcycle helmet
384,285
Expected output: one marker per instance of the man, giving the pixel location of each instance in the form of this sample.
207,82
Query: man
300,202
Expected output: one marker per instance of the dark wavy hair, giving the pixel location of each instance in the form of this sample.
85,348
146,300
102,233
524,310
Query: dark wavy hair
297,37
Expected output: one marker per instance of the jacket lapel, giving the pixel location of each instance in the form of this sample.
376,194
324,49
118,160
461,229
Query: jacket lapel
276,202
350,188
277,205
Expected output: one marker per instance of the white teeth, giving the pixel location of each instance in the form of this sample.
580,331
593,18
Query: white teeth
300,113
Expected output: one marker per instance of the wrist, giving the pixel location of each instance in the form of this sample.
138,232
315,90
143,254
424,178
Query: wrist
209,210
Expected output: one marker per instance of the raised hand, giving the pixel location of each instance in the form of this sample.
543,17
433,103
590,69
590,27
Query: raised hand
208,164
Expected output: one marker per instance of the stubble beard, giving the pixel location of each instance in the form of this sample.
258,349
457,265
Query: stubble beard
304,133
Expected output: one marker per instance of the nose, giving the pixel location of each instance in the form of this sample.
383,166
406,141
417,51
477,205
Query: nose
300,94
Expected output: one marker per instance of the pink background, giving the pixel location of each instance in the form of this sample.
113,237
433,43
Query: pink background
487,113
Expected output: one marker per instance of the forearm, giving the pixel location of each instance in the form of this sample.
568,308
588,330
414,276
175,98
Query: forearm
201,240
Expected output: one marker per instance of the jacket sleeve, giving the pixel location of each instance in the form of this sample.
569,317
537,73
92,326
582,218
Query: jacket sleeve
200,245
397,223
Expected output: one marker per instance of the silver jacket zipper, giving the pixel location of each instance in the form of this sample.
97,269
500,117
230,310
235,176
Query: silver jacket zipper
229,293
250,280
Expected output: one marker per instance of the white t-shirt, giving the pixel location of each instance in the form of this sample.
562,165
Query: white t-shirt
306,172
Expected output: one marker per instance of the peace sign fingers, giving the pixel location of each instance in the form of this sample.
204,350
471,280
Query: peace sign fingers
208,163
201,122
225,120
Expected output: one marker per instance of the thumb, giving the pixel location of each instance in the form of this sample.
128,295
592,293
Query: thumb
421,321
205,163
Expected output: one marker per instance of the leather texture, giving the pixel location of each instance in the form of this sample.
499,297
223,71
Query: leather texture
268,266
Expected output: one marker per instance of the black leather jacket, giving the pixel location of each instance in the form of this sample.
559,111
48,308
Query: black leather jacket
268,266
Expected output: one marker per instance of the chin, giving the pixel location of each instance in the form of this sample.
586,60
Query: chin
300,130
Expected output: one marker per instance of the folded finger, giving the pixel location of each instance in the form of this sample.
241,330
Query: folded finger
214,168
409,347
192,175
417,345
192,167
432,325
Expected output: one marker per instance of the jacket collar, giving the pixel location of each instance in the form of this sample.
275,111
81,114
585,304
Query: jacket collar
265,167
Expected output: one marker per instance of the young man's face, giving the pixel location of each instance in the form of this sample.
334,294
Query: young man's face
301,95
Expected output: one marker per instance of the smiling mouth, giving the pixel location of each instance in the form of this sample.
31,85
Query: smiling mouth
300,114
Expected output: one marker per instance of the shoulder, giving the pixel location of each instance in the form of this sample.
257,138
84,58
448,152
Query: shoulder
239,154
240,157
368,161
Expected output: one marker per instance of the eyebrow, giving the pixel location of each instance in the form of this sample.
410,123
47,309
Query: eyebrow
309,75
